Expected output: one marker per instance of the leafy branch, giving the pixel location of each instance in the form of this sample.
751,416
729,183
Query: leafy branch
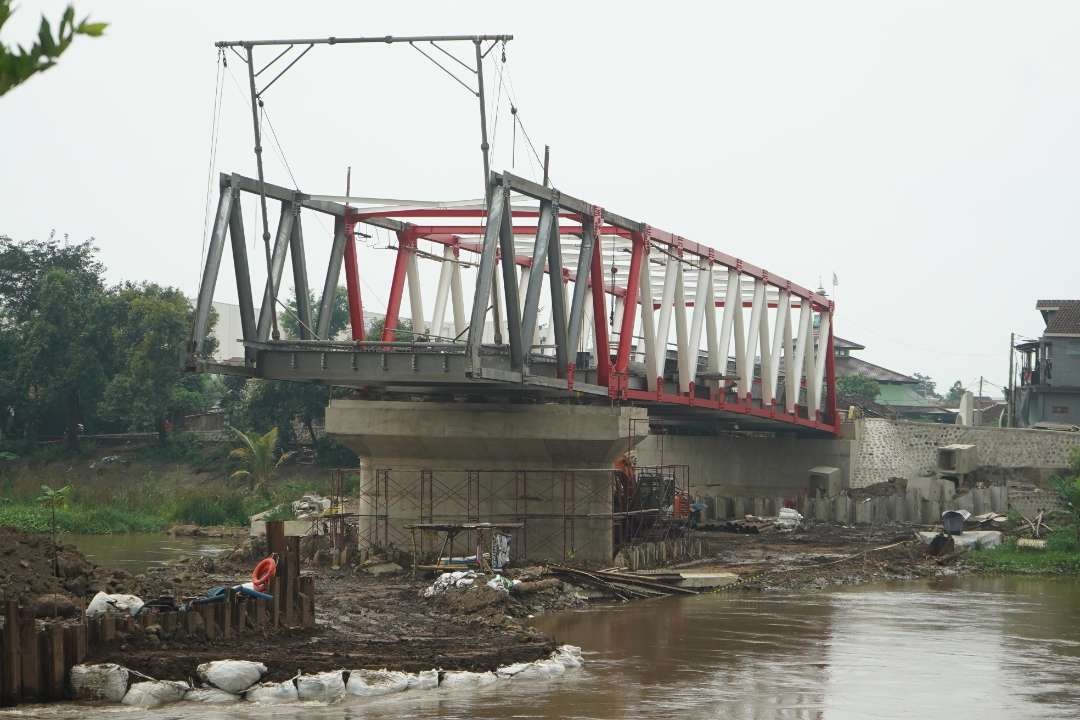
18,64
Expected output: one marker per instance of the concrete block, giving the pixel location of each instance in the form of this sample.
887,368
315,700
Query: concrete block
707,580
913,506
823,510
999,498
967,540
864,512
948,491
898,508
842,509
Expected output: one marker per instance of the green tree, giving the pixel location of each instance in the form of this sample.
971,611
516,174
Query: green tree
339,314
257,452
857,390
956,392
926,385
51,333
402,333
276,403
18,64
53,500
1068,488
62,353
151,325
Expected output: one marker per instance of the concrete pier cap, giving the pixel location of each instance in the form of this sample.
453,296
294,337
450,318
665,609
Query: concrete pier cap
497,435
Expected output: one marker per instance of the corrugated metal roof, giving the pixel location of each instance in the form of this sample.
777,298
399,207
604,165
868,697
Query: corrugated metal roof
840,343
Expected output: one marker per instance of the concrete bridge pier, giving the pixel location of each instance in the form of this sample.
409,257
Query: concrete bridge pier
547,465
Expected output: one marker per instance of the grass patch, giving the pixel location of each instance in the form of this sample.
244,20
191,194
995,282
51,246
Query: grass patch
100,520
1061,557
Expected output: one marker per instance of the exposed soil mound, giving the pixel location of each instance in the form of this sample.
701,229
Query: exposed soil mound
28,571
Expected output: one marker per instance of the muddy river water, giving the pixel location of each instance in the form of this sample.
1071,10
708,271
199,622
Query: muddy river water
984,648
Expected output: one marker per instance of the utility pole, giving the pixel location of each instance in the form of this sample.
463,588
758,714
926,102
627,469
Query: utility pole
1009,420
978,401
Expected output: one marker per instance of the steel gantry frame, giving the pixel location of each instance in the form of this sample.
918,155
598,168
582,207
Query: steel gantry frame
615,287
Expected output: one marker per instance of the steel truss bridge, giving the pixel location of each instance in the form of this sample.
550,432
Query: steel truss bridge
606,289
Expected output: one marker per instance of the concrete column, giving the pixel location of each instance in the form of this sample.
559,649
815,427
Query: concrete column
456,462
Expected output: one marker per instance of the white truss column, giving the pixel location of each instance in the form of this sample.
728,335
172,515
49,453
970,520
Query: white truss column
457,299
781,330
667,298
701,297
791,372
766,355
416,303
648,322
682,334
798,367
746,382
732,302
442,292
711,340
821,357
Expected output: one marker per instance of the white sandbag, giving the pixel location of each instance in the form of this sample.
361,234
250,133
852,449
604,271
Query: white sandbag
466,679
380,682
233,676
458,578
322,687
211,696
539,670
103,603
155,693
424,680
569,656
106,681
273,693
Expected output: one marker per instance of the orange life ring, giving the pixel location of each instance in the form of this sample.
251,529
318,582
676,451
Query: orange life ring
263,573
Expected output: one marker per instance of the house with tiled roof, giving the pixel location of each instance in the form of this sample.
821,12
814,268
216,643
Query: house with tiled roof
899,395
1050,367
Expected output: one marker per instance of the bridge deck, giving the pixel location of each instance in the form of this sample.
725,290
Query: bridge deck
667,313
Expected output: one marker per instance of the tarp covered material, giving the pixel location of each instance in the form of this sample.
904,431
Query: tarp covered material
458,579
210,696
424,680
380,682
234,676
155,693
106,681
322,687
103,603
273,693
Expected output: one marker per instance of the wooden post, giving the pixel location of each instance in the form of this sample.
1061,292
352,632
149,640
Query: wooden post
292,579
207,612
307,601
239,610
226,615
108,627
30,657
74,645
11,687
275,537
275,604
54,661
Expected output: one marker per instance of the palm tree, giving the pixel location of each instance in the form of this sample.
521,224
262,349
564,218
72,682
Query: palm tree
257,451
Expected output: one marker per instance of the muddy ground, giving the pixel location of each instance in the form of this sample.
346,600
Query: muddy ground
823,556
375,621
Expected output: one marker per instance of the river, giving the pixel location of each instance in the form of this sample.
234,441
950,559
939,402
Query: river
139,552
981,648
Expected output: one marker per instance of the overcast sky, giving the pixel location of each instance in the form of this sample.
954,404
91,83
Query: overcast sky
925,153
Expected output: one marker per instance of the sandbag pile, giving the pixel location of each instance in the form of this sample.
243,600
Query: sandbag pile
229,681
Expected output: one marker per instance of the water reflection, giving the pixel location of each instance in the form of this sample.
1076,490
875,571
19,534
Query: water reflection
985,648
139,552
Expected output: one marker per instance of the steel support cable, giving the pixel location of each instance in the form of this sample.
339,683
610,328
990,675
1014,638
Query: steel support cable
215,129
278,146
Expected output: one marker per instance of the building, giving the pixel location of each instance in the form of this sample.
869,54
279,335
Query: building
1050,368
899,395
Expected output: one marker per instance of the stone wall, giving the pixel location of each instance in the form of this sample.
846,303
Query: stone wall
886,448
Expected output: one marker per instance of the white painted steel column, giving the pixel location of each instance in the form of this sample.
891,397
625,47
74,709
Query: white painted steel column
648,322
810,361
795,372
732,298
780,331
701,298
766,355
667,297
746,382
713,366
457,299
442,292
416,303
682,334
791,387
822,356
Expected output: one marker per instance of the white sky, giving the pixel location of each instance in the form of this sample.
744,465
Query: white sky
927,153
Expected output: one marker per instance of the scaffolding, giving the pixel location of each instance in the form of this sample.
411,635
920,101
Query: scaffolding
564,514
